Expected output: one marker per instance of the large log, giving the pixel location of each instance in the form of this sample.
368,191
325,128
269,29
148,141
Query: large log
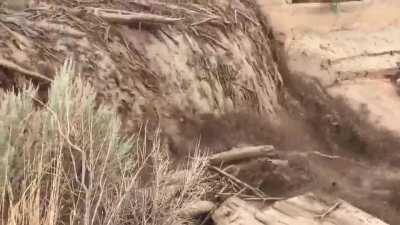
235,211
307,209
241,154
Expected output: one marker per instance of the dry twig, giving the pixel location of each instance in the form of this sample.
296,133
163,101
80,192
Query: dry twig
214,41
248,17
59,28
241,154
203,21
325,155
235,179
264,199
249,197
20,38
126,17
329,211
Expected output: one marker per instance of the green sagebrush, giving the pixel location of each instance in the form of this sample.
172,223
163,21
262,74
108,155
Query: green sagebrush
69,122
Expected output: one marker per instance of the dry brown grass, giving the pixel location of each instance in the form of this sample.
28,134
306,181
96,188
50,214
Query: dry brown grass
64,162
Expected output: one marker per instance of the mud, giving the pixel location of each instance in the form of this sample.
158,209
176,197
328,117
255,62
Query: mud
220,133
365,168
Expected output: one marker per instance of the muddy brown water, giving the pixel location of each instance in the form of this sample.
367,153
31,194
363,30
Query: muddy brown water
365,169
358,176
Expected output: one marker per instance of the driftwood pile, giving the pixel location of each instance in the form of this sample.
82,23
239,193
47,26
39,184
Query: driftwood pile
307,209
215,165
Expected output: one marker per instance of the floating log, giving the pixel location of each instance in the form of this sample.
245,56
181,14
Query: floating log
241,154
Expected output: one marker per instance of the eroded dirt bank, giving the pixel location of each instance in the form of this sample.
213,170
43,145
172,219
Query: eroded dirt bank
215,73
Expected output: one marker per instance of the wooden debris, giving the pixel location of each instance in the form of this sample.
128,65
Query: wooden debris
331,209
59,28
306,209
126,17
325,155
309,209
214,41
19,37
386,73
238,181
247,17
248,197
196,209
241,154
235,211
203,21
12,66
264,199
152,3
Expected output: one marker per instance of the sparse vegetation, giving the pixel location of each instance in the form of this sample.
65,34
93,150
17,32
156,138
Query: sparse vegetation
63,162
204,77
